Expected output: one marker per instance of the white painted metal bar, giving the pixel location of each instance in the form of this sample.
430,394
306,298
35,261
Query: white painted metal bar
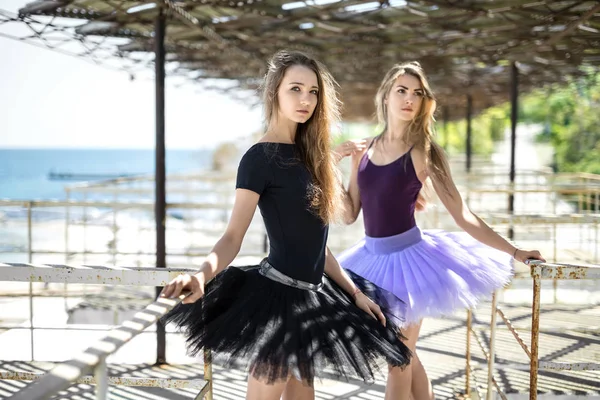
492,352
561,366
594,330
551,366
492,218
63,375
195,253
137,276
101,377
122,205
30,260
541,219
564,271
164,383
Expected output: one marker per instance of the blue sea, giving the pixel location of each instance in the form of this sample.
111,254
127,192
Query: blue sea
25,173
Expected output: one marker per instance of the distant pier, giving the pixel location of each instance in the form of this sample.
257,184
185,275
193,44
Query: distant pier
72,176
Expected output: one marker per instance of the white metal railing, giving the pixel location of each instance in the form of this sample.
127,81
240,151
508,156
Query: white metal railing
584,188
94,358
586,235
89,274
118,236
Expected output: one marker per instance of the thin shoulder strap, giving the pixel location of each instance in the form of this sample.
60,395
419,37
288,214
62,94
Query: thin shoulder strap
372,142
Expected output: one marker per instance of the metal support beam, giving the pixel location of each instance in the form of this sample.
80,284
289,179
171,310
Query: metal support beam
492,352
469,131
514,116
535,333
101,377
572,26
446,118
160,169
90,274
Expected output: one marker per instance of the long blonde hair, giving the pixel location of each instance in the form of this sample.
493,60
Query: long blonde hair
312,137
420,132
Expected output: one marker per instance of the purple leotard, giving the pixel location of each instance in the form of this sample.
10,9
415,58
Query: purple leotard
435,272
388,194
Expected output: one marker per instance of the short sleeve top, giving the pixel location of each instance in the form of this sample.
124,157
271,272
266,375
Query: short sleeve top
297,235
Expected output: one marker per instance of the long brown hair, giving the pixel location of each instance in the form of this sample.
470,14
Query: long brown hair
312,137
420,132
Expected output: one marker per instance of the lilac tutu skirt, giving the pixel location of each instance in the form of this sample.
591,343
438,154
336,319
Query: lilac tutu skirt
434,272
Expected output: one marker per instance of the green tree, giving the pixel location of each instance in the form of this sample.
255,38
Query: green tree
571,119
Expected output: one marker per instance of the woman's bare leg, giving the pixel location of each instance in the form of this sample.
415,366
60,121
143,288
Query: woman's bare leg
421,386
259,390
296,390
412,382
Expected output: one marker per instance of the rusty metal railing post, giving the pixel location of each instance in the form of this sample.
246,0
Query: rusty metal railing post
29,232
115,231
580,198
468,354
67,255
67,221
208,373
84,233
30,260
555,257
596,242
535,332
492,352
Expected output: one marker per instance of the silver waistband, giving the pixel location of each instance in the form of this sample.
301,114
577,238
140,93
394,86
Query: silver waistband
268,271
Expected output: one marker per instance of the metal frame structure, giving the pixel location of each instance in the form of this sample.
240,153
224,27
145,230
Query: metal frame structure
539,271
477,47
496,220
222,40
63,375
472,48
130,275
109,275
94,358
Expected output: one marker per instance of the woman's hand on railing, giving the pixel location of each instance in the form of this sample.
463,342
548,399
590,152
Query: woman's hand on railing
185,283
524,255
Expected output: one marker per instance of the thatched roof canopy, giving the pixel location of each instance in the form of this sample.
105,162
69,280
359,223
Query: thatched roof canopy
464,46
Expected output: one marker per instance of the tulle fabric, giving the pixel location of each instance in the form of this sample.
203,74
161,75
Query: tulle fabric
275,330
433,272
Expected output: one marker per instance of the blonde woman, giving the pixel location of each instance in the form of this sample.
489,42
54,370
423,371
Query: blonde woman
434,272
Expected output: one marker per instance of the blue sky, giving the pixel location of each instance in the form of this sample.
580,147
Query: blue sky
48,99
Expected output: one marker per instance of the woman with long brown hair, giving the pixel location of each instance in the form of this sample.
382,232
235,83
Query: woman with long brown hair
297,311
435,272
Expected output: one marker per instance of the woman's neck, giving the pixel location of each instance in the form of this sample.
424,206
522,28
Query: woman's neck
396,131
281,130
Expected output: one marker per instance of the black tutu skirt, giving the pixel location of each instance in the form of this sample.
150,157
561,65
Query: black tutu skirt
277,331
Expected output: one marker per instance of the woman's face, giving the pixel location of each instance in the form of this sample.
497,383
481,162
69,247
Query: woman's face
405,98
298,94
